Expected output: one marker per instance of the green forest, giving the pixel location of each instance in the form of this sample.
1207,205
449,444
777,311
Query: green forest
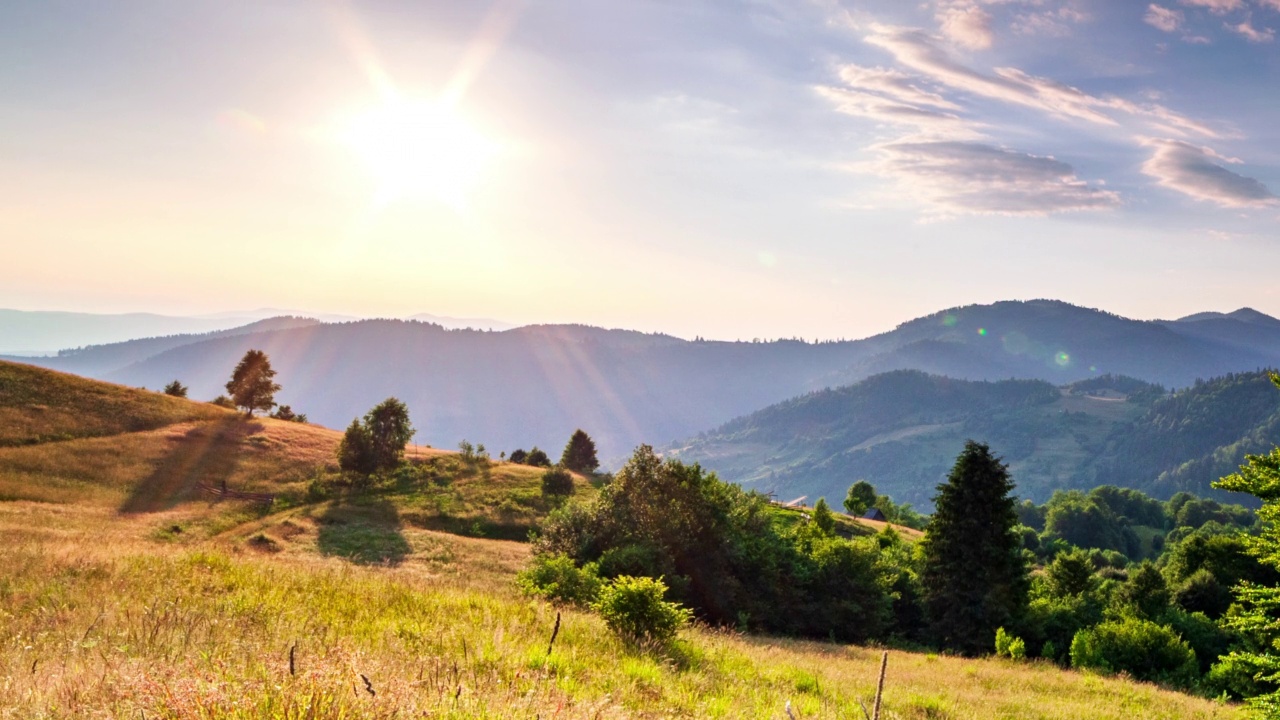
1110,580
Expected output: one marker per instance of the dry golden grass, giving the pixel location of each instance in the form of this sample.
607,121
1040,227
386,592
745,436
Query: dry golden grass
38,405
126,594
166,632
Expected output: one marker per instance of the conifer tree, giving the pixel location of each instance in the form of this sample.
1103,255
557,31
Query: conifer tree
973,577
1259,614
823,519
580,454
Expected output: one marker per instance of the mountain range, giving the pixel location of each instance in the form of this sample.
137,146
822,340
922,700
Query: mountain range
534,385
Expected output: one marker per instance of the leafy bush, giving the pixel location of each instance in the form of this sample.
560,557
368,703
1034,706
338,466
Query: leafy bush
633,607
537,458
558,579
176,389
557,482
729,555
223,401
1009,646
1142,648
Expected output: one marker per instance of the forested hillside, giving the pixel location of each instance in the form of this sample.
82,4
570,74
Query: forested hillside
899,430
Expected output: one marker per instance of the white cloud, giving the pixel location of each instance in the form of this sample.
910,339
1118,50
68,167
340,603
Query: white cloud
1164,18
1218,7
967,24
1273,4
1196,172
920,52
1050,23
875,107
894,84
975,178
1251,33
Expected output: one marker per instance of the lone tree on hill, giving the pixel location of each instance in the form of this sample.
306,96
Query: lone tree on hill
376,443
580,454
176,389
251,386
973,577
389,432
861,498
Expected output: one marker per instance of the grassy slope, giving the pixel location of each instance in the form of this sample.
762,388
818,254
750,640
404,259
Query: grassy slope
123,593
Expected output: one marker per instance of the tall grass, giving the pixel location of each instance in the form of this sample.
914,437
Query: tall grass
171,633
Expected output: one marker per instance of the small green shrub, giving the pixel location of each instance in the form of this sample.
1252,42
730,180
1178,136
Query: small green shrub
558,579
557,482
633,608
1142,648
1009,646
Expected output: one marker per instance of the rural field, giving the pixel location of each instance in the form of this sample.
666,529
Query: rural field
126,591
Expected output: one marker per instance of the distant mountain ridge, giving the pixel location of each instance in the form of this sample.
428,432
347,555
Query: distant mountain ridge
100,360
536,384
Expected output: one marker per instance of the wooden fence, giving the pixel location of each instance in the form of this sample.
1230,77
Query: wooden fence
218,491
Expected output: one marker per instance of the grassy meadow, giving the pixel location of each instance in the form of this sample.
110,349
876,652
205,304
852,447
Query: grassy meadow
127,593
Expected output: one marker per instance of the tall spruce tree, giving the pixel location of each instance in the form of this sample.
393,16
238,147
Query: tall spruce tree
1258,616
580,453
973,577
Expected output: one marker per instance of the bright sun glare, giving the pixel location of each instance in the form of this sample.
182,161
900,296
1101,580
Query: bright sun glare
419,149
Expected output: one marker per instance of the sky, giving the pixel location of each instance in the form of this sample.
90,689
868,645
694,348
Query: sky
725,170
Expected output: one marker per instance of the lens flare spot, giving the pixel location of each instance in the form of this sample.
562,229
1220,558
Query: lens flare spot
982,332
949,320
1062,359
1093,368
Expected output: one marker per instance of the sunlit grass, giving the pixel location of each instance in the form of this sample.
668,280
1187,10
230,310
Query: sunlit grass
125,593
172,633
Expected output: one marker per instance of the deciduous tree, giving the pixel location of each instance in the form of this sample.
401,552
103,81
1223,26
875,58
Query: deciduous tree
389,431
251,386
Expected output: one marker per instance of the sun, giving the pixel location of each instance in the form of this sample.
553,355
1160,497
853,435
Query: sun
419,149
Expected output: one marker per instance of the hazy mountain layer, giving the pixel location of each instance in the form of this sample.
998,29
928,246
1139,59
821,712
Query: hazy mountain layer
535,385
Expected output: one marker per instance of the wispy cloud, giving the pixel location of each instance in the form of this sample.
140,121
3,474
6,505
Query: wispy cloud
875,107
894,84
919,51
1251,33
966,178
1219,7
1197,172
1164,18
1054,22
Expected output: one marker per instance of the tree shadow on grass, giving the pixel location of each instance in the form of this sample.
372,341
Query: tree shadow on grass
365,531
208,453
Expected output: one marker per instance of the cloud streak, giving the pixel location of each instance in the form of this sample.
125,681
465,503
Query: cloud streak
1197,172
968,178
920,52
